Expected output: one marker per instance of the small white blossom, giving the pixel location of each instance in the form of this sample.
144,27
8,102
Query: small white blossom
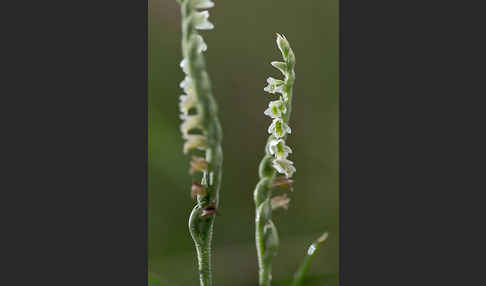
184,66
274,85
279,149
279,128
201,21
190,122
186,85
202,4
195,141
284,166
186,102
283,44
275,109
186,81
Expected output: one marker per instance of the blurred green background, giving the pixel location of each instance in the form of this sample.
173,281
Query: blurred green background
240,50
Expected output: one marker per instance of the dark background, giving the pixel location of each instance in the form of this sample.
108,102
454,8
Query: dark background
240,50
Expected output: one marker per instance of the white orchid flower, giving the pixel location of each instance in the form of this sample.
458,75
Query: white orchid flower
201,21
279,149
275,109
284,166
279,128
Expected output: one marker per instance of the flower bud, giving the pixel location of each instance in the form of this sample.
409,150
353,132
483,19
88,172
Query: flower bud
283,45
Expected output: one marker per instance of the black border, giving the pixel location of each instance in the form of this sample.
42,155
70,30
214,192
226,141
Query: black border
409,121
409,129
80,147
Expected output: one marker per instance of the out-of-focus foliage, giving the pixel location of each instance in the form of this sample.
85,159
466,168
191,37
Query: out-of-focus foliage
154,280
240,49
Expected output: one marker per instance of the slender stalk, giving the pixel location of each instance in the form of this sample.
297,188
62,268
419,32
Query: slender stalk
202,130
263,216
311,252
266,236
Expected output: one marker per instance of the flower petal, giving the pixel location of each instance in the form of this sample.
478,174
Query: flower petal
202,4
184,66
284,166
201,21
195,141
280,66
186,102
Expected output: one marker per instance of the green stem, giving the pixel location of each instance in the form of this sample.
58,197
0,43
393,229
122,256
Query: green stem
263,215
201,227
266,236
202,231
204,264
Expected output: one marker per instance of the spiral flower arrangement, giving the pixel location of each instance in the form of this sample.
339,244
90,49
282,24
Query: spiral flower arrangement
201,131
275,160
279,110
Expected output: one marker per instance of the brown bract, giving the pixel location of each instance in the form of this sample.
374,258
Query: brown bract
198,164
197,189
